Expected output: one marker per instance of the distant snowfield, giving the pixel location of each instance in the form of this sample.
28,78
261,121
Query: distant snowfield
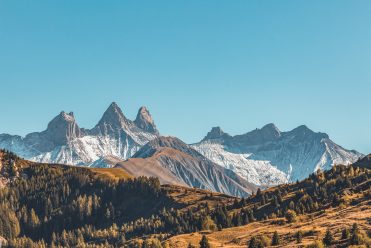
268,156
258,172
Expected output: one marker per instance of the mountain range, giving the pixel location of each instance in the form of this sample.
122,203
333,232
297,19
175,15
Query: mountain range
65,142
261,153
220,162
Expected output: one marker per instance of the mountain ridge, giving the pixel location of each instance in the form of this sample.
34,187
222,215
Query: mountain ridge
265,156
297,153
65,142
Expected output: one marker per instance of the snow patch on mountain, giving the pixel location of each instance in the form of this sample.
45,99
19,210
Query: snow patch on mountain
64,142
16,144
296,153
255,171
265,156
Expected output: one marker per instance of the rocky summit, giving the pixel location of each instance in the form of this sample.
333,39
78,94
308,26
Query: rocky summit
65,142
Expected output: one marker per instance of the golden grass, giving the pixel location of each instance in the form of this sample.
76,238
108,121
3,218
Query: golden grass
192,197
111,173
311,225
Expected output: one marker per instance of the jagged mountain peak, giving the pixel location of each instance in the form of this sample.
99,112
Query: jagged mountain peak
270,131
113,115
114,108
61,121
112,121
64,141
62,128
115,125
216,133
304,131
143,110
267,133
66,116
302,128
271,127
145,121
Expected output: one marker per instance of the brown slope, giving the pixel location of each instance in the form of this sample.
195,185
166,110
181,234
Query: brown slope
111,173
149,167
173,161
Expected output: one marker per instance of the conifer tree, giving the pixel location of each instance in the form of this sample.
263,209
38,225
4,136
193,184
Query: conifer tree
355,228
328,239
345,234
299,237
204,243
34,219
290,216
275,239
255,243
355,239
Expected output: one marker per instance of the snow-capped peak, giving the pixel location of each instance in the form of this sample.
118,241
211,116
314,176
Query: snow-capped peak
298,152
64,142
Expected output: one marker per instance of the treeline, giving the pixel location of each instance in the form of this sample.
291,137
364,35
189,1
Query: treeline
49,203
7,161
348,237
67,206
319,191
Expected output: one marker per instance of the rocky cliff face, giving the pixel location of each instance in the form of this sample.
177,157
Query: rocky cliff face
145,122
216,133
60,131
112,122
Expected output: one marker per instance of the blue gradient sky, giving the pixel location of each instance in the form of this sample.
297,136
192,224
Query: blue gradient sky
195,64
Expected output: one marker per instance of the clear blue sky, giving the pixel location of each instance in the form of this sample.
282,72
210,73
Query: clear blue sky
195,64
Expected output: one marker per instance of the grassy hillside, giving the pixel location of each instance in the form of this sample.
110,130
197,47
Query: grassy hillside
111,173
45,205
48,204
313,228
332,201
